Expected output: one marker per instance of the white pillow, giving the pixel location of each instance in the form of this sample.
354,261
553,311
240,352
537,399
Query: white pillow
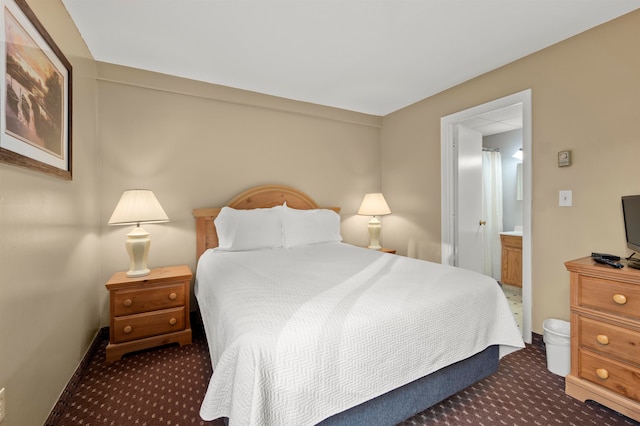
301,227
249,229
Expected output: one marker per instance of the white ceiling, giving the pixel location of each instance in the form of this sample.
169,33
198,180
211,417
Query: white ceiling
372,56
497,121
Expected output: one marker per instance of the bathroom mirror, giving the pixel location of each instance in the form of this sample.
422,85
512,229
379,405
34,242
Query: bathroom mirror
519,182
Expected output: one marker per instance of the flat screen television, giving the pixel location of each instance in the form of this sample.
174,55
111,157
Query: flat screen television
631,213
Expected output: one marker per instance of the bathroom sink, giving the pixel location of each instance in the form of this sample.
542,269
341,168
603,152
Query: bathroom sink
513,233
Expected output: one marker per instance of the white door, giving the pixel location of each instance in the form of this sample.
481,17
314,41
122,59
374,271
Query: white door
449,190
469,201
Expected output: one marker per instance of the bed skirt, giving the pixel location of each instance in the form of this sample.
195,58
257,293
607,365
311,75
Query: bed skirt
402,403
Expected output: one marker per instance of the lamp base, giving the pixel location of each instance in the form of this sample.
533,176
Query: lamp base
374,234
137,244
140,273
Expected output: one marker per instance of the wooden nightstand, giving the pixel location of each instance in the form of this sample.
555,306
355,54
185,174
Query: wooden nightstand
148,311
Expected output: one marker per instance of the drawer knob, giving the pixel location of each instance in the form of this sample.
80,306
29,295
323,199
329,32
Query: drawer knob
173,321
173,296
620,299
127,303
602,339
602,373
128,329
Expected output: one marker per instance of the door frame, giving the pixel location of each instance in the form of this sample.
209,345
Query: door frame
449,189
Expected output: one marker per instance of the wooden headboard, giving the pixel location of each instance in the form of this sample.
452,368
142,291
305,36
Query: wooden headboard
264,196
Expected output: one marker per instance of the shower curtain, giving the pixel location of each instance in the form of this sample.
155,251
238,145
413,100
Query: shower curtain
492,211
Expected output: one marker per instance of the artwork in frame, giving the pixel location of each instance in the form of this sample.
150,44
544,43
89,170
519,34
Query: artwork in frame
35,108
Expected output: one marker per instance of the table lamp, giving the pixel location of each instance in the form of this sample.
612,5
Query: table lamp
374,205
138,206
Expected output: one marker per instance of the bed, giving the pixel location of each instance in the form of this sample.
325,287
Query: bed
304,329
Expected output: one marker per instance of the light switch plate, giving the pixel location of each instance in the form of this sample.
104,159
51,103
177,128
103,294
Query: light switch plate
566,198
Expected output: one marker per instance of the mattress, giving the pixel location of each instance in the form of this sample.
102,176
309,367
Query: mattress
297,335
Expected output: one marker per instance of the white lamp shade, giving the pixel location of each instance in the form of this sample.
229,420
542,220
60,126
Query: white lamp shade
374,204
138,206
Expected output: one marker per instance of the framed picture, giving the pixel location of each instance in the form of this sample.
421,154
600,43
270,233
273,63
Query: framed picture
35,108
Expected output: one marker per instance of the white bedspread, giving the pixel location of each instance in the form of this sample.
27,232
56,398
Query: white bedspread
297,335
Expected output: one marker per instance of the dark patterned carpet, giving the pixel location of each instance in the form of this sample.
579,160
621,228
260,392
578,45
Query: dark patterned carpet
165,386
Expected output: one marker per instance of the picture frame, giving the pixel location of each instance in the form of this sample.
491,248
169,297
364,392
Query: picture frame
35,99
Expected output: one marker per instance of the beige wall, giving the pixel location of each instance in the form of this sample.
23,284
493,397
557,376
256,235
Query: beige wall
49,259
586,93
198,145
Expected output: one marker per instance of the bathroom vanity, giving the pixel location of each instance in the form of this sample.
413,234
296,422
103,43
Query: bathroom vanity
511,271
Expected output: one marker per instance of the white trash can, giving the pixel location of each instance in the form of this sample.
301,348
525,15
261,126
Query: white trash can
557,339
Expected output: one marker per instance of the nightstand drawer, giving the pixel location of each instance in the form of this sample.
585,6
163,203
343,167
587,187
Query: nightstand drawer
610,340
610,296
621,378
137,300
147,324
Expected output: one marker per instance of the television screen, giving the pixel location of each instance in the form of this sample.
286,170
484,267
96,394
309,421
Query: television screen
631,212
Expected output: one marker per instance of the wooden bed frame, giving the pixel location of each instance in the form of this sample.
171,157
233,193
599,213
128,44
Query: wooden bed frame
396,405
263,196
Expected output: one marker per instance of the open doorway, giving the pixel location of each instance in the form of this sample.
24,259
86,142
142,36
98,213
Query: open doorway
453,231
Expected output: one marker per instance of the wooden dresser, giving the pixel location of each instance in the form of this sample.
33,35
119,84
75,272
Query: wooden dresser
148,311
605,336
511,270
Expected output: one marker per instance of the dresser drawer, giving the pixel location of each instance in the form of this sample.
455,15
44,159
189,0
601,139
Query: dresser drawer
618,377
132,327
137,300
611,296
610,340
